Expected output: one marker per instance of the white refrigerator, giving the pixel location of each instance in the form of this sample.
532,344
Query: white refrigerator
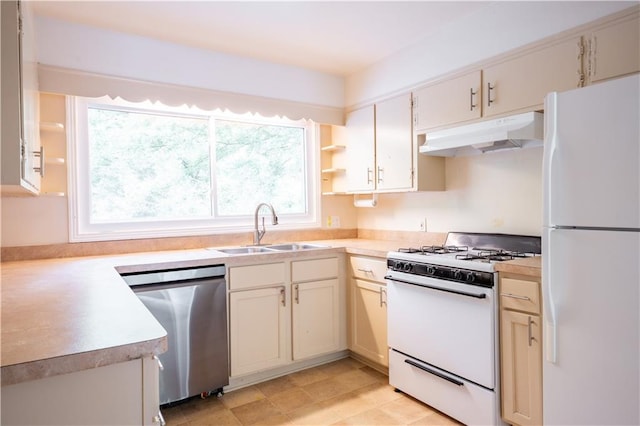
591,255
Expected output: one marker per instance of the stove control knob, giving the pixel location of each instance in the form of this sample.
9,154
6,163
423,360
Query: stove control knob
407,267
471,277
399,266
457,275
431,270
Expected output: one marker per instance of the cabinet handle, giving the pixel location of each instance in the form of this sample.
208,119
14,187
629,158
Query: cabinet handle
160,366
489,89
592,56
471,95
383,300
40,154
366,271
369,175
283,296
515,296
297,290
530,321
158,418
380,174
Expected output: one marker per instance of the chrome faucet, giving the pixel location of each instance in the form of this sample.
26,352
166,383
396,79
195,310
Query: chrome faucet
257,233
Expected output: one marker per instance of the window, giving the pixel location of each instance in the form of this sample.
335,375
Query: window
149,170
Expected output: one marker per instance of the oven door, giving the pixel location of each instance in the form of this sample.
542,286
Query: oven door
446,324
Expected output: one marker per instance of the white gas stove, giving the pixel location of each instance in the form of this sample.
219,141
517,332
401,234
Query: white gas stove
442,318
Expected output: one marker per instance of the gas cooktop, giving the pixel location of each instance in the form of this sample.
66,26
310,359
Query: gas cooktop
471,251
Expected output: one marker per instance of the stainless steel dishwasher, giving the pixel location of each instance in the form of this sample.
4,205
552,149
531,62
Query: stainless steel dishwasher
190,303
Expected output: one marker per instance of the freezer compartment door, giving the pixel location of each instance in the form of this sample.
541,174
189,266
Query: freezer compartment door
592,156
591,291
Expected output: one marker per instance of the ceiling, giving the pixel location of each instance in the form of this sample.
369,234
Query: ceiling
336,37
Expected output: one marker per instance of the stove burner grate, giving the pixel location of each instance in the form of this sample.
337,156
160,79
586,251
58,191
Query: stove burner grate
434,249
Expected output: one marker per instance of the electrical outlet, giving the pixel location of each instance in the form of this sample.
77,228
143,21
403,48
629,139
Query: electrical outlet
423,225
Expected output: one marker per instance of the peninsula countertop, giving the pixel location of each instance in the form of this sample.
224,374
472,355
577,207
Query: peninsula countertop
70,314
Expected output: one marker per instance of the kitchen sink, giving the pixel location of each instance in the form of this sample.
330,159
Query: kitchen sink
244,250
295,247
268,249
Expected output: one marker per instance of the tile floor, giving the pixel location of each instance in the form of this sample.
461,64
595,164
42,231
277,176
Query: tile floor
344,392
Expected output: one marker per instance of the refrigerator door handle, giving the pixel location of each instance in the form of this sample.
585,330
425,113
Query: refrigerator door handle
551,145
550,314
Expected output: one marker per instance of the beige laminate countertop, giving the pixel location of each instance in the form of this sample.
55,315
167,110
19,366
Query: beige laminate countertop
65,315
531,266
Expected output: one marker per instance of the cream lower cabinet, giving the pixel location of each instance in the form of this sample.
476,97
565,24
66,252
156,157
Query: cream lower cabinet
521,349
124,394
283,312
368,309
258,318
315,309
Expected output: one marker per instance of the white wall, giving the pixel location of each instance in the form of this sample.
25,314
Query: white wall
496,192
80,47
472,39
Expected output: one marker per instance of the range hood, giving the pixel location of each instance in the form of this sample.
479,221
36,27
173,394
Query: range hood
513,132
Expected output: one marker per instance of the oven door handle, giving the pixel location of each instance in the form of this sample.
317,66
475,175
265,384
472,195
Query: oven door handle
448,290
435,373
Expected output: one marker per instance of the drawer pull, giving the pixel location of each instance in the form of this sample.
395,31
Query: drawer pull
383,297
515,296
435,373
366,271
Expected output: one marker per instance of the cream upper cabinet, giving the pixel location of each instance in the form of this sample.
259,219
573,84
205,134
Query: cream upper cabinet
393,134
614,50
382,155
521,84
368,309
448,102
315,309
22,157
360,134
521,349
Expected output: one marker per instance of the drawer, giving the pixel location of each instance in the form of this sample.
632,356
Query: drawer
520,295
368,268
469,403
314,269
241,277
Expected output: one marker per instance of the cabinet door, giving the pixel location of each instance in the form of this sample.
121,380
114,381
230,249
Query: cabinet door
257,329
33,158
615,50
316,320
394,159
20,139
361,150
109,395
521,368
369,321
448,102
151,391
520,84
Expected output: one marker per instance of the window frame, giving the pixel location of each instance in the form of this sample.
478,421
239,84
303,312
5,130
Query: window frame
80,228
